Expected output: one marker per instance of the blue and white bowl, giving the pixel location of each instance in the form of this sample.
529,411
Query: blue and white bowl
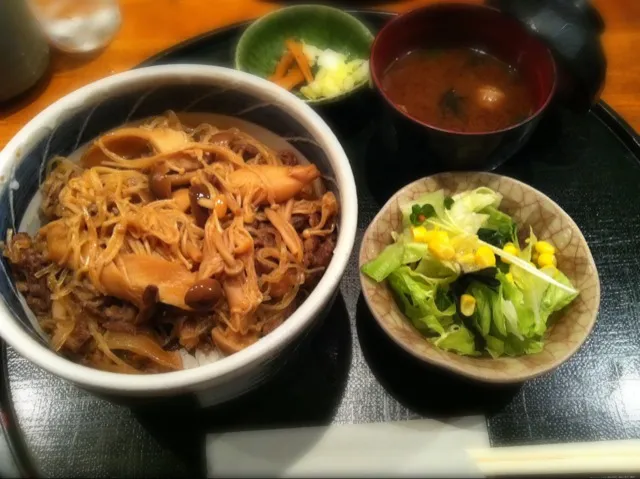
88,112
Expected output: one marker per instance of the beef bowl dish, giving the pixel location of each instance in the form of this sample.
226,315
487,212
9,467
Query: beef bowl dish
194,229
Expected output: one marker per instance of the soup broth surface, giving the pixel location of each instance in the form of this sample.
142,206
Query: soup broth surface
459,89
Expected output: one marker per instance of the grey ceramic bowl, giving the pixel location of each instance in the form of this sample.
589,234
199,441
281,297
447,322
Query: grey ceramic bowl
527,206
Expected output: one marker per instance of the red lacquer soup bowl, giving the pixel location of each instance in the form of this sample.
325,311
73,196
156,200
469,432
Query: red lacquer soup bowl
476,27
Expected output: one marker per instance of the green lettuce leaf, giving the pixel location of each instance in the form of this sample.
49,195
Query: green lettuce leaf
421,301
428,325
527,252
393,256
482,315
464,213
414,252
442,320
554,298
540,297
499,229
417,296
519,319
489,317
533,289
385,263
444,272
458,339
518,347
511,318
497,312
494,346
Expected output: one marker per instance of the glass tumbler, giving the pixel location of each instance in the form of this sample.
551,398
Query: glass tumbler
78,26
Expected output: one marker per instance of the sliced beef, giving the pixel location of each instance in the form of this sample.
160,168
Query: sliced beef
324,252
188,334
94,306
299,222
309,245
241,147
36,294
26,260
172,344
112,313
193,330
261,268
288,158
119,317
318,252
78,337
264,236
121,312
314,219
24,254
271,324
119,327
284,285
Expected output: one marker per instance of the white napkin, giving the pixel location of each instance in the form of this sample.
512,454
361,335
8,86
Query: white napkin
424,448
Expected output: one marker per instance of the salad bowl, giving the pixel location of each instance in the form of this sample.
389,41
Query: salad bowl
530,210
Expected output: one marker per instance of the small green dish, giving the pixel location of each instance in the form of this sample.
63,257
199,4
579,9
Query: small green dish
262,43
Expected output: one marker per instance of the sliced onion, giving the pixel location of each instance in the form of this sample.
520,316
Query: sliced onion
144,346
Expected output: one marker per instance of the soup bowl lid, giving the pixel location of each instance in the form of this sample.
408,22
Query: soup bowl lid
571,30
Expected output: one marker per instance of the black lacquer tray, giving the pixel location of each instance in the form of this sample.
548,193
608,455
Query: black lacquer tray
348,371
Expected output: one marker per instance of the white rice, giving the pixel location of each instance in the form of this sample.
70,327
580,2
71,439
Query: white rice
200,358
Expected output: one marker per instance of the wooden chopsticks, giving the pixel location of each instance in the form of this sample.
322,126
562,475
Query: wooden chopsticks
611,457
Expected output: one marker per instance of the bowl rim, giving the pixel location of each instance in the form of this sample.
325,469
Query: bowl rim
306,8
254,356
454,367
407,16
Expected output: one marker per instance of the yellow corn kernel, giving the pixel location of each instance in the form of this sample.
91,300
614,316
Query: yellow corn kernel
485,257
510,248
547,259
467,258
543,247
422,234
440,246
419,234
440,236
509,277
443,251
467,305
